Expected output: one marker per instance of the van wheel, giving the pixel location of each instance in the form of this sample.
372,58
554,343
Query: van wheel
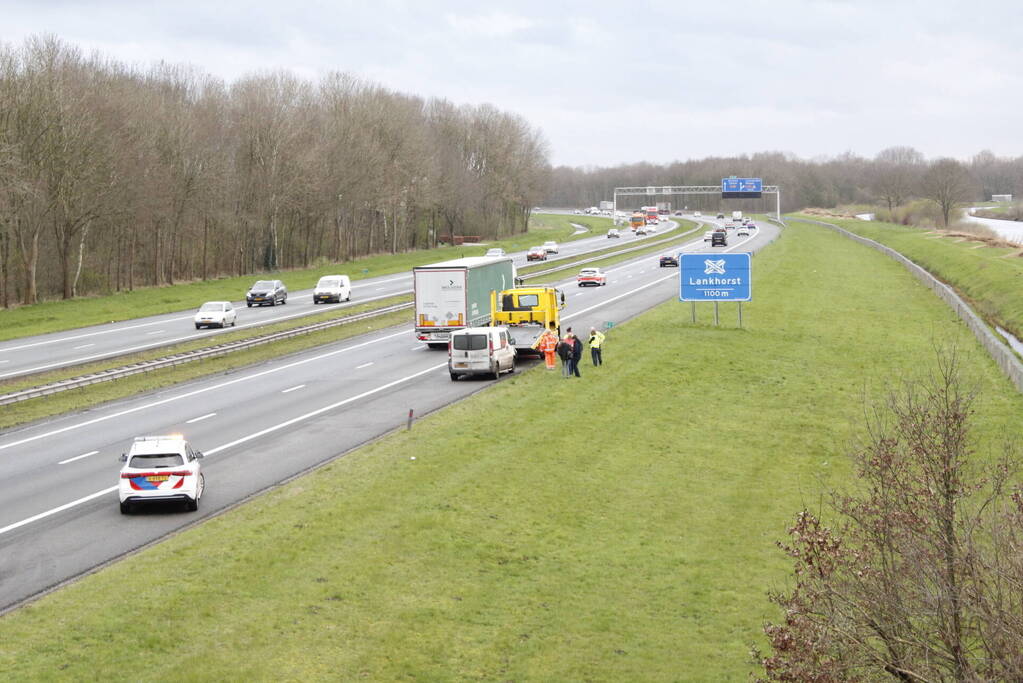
495,370
454,377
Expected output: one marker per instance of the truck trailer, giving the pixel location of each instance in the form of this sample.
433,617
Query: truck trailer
454,294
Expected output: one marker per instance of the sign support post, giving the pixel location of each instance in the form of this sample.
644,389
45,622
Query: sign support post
716,323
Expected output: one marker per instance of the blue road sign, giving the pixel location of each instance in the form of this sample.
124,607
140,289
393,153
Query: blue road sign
732,185
714,277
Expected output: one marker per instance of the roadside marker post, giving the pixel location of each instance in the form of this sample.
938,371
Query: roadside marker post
715,277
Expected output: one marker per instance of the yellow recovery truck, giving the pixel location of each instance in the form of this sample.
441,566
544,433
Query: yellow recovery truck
527,312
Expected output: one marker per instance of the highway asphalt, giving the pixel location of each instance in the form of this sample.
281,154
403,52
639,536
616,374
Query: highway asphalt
257,426
29,355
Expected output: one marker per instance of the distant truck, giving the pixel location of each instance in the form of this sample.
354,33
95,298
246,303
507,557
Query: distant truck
527,312
737,216
638,219
454,294
607,206
664,208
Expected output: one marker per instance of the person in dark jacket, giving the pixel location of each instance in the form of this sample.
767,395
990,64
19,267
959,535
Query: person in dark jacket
577,354
564,352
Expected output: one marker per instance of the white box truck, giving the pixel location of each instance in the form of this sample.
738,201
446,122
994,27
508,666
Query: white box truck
456,294
737,215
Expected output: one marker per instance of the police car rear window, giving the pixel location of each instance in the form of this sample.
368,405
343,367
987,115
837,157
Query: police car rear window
469,342
157,460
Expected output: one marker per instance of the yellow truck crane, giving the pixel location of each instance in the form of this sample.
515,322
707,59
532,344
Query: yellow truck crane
527,312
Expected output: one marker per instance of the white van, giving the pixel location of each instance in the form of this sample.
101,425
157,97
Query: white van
334,288
480,351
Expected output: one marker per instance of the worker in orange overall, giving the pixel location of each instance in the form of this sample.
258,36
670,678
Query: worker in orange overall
547,344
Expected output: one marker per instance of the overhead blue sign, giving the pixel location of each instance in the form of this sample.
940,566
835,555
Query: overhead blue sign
714,277
733,185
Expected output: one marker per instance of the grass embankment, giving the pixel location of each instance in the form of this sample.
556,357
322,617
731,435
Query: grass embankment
54,316
685,229
620,526
990,278
95,394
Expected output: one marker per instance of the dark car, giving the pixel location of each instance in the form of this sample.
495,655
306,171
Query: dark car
669,260
267,292
719,239
721,215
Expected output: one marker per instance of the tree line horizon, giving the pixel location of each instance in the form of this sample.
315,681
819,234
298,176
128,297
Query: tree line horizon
114,177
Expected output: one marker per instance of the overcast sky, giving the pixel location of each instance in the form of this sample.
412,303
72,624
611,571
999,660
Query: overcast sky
617,82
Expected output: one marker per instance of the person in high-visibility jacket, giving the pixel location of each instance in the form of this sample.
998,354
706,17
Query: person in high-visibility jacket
547,344
596,341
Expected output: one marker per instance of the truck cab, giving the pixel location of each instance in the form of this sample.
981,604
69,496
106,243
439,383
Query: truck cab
527,312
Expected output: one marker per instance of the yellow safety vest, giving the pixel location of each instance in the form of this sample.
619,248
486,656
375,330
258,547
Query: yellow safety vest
596,339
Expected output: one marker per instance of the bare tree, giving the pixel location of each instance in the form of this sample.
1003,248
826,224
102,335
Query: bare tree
896,174
922,579
948,184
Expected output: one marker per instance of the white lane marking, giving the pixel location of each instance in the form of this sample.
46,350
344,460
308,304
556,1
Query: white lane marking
53,511
93,334
154,332
615,298
364,365
579,294
378,289
200,418
77,457
83,346
189,394
167,342
5,361
295,388
213,451
614,282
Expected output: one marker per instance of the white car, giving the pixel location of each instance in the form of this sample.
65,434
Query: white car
742,232
577,212
480,351
333,288
707,235
496,252
591,276
215,313
697,214
550,247
160,468
613,232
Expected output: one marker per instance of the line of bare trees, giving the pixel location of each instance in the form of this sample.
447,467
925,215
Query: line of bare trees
113,178
892,178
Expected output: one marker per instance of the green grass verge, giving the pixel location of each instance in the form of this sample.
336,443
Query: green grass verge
54,316
90,396
97,394
684,229
616,527
990,278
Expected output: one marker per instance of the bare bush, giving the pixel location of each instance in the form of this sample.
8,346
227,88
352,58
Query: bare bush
922,578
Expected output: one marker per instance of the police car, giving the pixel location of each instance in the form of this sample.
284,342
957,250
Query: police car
160,468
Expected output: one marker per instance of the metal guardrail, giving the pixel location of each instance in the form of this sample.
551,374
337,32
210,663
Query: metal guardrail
645,245
242,344
1004,356
189,356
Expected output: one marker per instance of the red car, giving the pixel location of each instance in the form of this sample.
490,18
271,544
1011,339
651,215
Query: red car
536,254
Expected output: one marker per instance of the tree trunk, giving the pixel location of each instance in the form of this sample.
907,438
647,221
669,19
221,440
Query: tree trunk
81,257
